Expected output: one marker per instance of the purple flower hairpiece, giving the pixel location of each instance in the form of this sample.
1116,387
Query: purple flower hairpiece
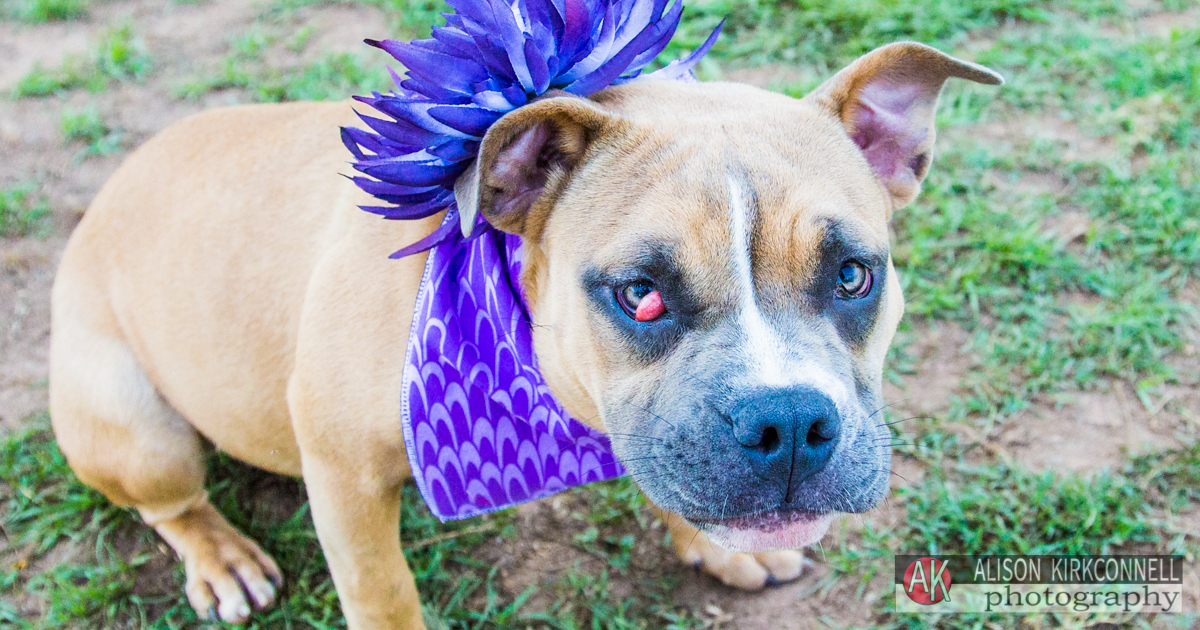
492,57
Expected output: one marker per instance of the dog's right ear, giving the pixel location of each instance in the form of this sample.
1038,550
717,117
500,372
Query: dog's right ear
525,162
886,101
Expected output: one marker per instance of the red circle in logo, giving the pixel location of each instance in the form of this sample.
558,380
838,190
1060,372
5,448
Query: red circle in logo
927,580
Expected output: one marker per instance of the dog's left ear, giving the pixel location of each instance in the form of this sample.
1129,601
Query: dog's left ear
886,100
525,162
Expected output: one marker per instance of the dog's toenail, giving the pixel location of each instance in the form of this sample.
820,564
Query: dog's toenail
211,615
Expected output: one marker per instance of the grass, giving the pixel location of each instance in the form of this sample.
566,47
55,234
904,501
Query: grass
85,126
331,77
41,11
1059,228
118,56
22,211
47,509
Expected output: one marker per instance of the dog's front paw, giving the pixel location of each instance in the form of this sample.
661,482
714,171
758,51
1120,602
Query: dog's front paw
228,575
747,571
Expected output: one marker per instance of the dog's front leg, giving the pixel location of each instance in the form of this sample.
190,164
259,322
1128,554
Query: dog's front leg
748,571
358,523
344,398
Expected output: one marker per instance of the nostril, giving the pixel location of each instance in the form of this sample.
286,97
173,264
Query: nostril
769,441
820,432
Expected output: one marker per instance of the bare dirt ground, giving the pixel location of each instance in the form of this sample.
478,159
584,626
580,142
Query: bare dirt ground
1085,432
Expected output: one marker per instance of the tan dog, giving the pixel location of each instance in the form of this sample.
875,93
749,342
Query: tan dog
223,286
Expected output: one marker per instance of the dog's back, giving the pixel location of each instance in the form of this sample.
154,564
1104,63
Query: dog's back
186,279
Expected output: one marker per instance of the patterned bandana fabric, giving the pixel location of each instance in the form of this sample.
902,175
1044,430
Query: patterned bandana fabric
482,428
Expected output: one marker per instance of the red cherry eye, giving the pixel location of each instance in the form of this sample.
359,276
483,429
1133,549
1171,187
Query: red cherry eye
641,301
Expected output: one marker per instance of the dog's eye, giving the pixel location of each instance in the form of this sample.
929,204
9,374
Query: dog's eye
854,280
641,301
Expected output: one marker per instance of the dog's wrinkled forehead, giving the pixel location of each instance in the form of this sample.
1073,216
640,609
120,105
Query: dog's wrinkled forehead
713,168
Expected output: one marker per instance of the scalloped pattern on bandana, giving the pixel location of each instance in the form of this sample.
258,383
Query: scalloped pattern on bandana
482,428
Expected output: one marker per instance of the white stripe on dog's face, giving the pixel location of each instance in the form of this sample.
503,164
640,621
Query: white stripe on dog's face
765,352
762,346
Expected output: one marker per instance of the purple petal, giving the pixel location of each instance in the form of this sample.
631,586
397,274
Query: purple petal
415,173
478,10
402,132
408,194
494,101
413,210
456,42
446,71
456,150
491,54
351,143
680,67
538,72
577,21
448,229
469,119
614,67
513,39
434,92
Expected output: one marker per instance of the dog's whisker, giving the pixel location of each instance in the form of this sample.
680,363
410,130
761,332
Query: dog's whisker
886,406
639,459
651,477
672,425
902,477
631,436
691,542
888,424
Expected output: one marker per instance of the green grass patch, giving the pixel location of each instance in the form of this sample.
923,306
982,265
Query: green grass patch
23,212
102,584
45,504
119,55
1000,509
40,11
1046,313
87,127
122,55
409,18
75,72
996,510
825,35
1173,475
334,76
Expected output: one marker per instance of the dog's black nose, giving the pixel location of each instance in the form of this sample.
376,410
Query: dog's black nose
789,433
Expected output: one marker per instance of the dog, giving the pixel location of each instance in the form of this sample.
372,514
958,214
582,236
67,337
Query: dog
223,287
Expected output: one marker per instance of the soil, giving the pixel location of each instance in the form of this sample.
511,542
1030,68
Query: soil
1087,432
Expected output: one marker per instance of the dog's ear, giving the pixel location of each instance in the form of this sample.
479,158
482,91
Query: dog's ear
525,161
886,100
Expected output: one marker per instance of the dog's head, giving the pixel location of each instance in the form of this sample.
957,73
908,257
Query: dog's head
708,271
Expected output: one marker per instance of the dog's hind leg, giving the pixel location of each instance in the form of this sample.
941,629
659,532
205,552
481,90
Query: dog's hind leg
747,571
121,438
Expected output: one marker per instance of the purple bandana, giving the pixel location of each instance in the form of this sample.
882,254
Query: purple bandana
482,429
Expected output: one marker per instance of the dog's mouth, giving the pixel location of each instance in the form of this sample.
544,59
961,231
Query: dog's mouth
765,531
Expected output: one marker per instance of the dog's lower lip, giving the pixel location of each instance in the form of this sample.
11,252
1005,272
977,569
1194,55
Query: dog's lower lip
766,522
764,531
